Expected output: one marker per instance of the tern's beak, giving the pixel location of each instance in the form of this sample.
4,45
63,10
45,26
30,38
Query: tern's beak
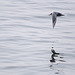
50,14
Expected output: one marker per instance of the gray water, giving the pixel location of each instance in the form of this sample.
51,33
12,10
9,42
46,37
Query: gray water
27,37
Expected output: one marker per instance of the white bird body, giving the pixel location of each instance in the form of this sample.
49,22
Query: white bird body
54,17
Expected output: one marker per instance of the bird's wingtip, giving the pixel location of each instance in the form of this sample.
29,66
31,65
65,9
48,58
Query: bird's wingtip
53,27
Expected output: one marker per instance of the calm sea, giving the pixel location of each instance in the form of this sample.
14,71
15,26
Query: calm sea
27,37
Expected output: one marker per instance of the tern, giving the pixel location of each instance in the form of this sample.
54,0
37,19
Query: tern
54,17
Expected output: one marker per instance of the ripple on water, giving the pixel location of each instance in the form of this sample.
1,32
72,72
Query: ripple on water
27,36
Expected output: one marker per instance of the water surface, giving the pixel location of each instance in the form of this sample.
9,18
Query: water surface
27,37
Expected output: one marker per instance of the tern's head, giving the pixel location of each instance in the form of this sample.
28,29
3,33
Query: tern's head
50,14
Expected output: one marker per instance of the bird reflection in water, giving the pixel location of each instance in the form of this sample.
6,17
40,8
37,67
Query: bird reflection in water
53,60
54,54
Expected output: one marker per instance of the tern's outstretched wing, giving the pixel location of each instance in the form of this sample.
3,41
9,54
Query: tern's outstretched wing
54,19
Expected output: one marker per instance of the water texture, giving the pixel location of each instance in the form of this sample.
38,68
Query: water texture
27,37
